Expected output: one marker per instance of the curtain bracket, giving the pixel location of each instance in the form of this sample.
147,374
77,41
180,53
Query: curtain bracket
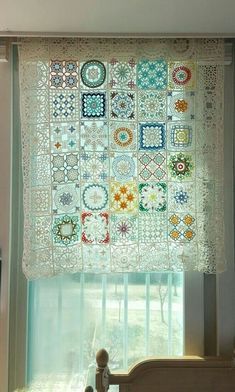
4,50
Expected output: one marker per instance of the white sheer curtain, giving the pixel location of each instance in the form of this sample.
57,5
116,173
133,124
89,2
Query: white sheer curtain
70,317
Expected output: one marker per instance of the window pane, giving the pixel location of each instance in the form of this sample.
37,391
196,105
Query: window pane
72,316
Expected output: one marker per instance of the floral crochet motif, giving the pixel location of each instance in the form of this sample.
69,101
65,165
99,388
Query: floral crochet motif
95,197
181,227
152,197
95,228
181,197
94,166
122,74
124,228
66,198
94,135
93,105
181,75
152,74
124,167
152,105
152,136
181,105
65,167
181,136
93,73
123,138
63,74
124,197
66,230
122,105
181,166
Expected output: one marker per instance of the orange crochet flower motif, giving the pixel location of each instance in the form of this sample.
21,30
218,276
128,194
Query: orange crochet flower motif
123,189
117,197
189,234
174,219
181,227
175,234
130,197
124,197
188,220
181,105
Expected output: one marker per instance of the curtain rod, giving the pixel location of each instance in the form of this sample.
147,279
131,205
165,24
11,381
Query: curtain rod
7,41
16,34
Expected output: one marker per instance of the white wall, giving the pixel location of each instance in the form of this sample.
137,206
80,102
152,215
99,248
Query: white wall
123,16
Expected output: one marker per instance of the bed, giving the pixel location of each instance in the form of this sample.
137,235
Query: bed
182,374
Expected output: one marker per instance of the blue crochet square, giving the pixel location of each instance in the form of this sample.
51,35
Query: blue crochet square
93,105
152,136
152,74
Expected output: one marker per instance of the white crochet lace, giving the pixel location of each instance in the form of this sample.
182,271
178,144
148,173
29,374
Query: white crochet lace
122,155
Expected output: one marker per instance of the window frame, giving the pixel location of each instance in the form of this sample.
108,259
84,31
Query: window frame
5,207
205,295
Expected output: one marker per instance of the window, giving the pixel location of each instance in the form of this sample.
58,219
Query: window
71,316
225,328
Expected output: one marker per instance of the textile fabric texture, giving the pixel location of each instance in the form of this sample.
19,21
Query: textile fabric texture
122,155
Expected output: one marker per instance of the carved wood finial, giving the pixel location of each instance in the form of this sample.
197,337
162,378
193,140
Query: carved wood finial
102,358
89,389
102,371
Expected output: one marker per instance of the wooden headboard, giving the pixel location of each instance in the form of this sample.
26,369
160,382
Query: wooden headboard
183,374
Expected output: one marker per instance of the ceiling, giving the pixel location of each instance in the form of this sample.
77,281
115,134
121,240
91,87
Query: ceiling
162,17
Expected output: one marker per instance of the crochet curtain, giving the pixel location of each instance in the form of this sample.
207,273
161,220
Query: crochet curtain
122,155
